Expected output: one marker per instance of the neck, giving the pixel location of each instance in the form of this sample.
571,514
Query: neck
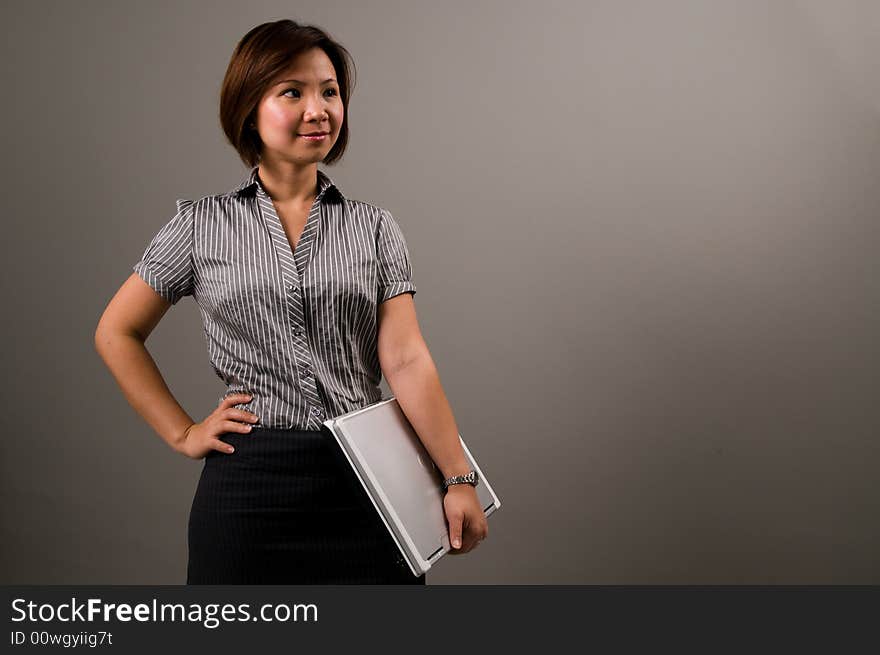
289,183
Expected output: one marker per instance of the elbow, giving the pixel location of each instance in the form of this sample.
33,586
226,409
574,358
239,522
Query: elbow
404,362
102,337
99,334
105,334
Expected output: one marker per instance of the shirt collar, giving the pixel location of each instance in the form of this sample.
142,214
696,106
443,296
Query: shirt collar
252,181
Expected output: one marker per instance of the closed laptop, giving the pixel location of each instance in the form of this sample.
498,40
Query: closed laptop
400,480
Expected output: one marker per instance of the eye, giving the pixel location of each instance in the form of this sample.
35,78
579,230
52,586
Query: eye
332,92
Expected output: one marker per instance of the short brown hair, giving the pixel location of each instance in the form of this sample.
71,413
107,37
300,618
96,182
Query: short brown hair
263,53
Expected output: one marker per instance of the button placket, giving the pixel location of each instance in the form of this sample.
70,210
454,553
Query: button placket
292,264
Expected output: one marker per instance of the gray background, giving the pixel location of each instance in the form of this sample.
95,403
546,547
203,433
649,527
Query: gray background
645,242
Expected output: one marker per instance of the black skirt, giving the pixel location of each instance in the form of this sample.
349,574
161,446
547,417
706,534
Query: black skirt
286,508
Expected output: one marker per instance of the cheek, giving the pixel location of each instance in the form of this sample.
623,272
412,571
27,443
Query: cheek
338,114
277,117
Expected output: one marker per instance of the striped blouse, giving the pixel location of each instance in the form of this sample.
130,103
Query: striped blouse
296,328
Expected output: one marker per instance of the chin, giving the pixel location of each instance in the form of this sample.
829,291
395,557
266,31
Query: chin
312,158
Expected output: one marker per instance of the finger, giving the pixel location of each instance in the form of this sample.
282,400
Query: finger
469,541
240,415
235,399
455,532
474,534
222,446
236,426
466,547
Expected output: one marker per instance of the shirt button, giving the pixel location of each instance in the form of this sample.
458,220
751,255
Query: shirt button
307,371
317,411
297,332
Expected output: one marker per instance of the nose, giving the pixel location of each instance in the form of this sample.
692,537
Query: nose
314,110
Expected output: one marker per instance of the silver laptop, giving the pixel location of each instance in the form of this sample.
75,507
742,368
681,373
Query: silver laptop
401,480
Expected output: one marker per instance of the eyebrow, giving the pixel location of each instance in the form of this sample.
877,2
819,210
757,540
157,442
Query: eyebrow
329,79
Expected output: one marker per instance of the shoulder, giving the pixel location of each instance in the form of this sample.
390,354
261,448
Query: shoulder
365,210
380,218
208,208
219,199
363,215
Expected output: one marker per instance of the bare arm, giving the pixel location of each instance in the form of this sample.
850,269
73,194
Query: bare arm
412,376
123,329
416,385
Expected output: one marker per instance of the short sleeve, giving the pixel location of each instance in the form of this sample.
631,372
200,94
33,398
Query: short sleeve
395,271
166,264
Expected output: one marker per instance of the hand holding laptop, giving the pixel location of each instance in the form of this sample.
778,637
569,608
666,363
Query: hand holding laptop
467,522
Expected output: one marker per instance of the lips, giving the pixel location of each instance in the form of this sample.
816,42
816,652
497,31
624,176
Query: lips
316,134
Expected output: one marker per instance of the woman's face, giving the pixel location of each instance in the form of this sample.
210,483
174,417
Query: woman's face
298,102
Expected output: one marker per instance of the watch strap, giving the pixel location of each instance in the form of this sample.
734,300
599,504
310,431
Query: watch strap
468,478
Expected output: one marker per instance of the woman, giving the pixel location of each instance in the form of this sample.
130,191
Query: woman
307,300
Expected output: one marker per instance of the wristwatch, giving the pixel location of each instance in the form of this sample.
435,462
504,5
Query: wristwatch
469,478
